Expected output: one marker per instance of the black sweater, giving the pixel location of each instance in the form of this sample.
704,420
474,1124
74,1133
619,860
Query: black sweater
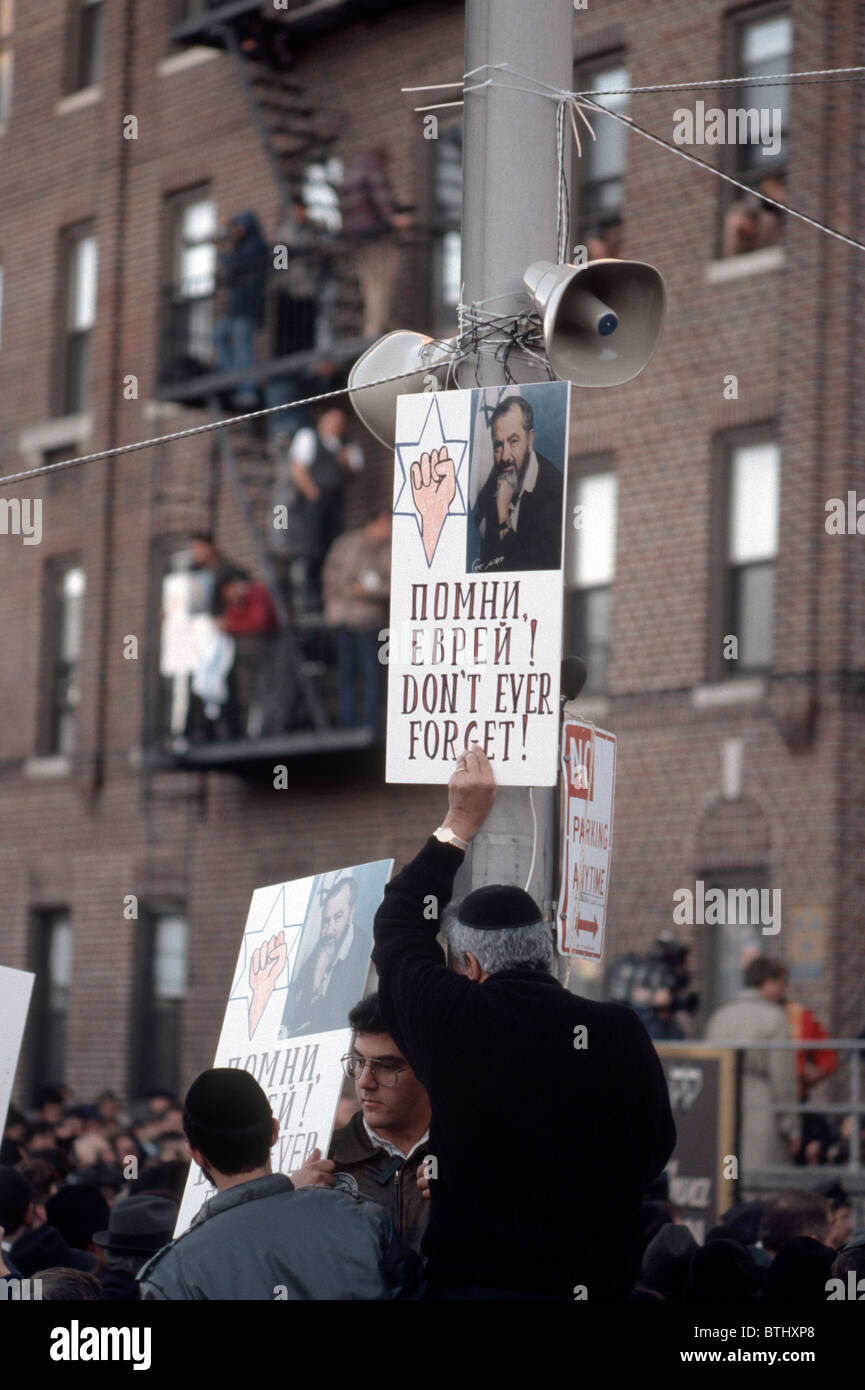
544,1150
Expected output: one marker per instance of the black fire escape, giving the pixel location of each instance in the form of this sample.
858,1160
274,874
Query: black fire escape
262,41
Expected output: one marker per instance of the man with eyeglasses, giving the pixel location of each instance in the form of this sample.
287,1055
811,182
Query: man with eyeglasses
550,1112
378,1153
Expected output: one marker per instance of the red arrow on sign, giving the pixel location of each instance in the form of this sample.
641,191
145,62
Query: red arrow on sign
591,926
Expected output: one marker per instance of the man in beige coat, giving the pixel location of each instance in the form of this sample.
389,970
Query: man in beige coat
768,1137
356,591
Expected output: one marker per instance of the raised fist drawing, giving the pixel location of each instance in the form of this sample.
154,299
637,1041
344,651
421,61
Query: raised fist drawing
433,488
267,964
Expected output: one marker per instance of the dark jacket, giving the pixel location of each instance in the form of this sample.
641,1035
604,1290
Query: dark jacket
242,270
544,1149
265,1240
43,1247
391,1182
119,1287
307,1013
537,542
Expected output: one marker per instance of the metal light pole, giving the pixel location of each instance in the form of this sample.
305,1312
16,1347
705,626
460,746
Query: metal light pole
508,221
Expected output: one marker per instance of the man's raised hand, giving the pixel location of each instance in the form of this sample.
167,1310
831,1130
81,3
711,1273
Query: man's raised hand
433,488
471,793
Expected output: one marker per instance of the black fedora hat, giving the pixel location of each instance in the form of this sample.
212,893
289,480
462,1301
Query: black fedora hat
138,1225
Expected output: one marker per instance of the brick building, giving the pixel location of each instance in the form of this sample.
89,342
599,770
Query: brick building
738,772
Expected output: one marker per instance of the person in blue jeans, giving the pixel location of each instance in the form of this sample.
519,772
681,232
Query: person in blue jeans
356,589
242,273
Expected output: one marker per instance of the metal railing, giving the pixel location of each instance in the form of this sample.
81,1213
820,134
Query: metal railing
777,1177
328,313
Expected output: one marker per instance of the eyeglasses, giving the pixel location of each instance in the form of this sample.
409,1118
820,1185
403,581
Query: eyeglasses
385,1073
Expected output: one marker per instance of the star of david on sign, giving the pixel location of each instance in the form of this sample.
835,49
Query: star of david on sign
433,444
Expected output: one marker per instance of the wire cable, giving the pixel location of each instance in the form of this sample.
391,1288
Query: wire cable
534,837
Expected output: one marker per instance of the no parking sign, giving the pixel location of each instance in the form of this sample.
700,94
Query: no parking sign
589,783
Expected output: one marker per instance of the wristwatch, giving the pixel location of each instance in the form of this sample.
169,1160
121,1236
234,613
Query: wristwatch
446,836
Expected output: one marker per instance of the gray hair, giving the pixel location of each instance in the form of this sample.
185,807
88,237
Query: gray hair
504,948
507,404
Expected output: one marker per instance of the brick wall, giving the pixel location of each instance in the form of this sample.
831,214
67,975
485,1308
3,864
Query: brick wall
88,838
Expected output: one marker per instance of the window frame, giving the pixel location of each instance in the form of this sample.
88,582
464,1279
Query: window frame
7,62
174,204
42,1040
144,1068
583,73
71,238
50,714
587,466
75,65
735,24
724,445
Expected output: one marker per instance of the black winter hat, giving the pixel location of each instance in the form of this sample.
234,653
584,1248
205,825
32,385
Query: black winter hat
44,1248
724,1269
742,1222
76,1211
225,1098
498,905
667,1261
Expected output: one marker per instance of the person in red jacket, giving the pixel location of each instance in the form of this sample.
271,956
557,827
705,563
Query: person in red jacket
247,608
812,1067
245,611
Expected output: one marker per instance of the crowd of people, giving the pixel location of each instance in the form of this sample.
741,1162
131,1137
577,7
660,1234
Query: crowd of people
243,675
505,1140
223,634
90,1193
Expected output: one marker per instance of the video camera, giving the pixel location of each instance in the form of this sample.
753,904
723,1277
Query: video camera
660,981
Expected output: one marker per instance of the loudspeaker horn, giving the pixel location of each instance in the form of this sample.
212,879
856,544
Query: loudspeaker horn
602,321
392,356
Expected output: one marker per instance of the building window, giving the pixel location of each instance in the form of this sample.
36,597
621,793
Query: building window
446,224
64,620
81,258
162,981
756,153
187,346
600,175
7,62
752,548
87,44
51,960
63,483
590,567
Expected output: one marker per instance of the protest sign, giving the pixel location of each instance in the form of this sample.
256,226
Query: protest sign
702,1086
588,794
16,986
302,965
474,646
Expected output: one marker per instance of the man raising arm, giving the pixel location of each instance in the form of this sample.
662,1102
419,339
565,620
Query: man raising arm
523,1077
